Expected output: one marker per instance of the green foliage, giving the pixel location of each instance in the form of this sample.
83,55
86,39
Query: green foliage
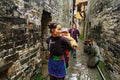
81,36
38,77
102,68
98,77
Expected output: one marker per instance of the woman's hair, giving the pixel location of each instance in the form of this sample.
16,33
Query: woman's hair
74,24
52,26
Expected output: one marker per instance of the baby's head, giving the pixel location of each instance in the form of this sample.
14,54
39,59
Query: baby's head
64,32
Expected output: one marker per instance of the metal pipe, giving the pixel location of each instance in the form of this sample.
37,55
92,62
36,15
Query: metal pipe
101,73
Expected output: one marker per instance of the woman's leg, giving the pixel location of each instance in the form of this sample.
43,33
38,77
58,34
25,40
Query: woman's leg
67,62
61,78
53,78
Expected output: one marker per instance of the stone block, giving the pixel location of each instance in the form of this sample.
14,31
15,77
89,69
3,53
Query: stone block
110,60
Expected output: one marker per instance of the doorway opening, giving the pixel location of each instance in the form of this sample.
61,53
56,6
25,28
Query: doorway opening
46,19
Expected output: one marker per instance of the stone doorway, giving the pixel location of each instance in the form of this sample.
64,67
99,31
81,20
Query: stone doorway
46,19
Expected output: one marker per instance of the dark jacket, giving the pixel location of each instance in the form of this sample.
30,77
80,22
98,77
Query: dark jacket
74,33
58,45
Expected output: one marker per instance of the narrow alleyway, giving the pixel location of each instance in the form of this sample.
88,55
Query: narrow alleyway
24,30
78,69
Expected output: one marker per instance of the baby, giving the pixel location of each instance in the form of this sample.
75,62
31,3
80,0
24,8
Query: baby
66,34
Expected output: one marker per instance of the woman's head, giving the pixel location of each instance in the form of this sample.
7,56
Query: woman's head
55,29
74,26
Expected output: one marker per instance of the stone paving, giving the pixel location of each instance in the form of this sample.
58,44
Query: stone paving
78,69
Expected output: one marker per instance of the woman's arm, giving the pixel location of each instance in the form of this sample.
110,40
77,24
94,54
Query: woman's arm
66,42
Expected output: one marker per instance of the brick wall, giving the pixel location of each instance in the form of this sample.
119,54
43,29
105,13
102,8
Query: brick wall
105,22
21,41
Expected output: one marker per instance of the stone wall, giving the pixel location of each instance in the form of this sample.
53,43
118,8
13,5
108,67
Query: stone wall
59,9
105,28
23,30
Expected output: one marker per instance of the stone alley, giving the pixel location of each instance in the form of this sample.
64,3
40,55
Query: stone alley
78,69
25,27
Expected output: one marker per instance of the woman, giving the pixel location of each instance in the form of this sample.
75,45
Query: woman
57,46
74,32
